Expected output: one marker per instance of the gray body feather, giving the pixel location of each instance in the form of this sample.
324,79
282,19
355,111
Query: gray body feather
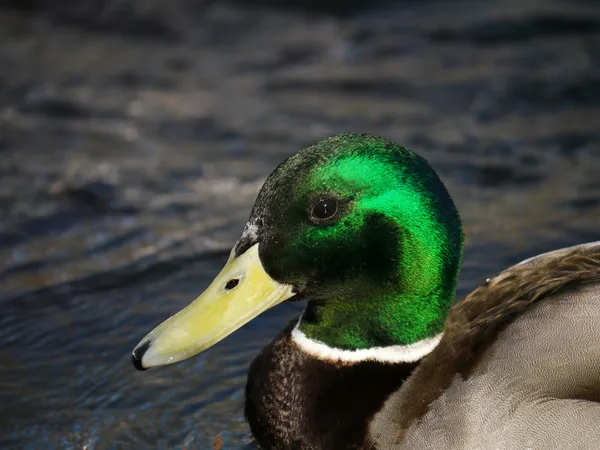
535,386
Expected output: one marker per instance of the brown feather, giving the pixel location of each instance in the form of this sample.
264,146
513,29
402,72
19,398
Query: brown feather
474,323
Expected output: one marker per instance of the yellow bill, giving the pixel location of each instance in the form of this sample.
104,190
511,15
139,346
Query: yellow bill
238,294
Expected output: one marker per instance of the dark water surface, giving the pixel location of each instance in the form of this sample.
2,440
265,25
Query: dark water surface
130,157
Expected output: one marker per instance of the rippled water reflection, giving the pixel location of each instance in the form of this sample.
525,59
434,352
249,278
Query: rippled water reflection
128,166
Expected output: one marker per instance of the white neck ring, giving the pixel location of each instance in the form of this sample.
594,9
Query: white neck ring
390,354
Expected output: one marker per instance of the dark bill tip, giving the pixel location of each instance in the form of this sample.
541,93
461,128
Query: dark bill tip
138,354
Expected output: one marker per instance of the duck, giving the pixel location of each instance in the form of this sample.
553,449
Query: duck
365,233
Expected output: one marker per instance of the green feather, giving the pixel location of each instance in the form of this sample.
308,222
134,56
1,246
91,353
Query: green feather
384,270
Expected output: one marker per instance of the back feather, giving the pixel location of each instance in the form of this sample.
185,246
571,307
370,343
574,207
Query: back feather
474,323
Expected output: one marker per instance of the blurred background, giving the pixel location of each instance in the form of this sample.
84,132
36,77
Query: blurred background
135,134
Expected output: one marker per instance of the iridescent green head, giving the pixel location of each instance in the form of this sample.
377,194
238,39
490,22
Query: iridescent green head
357,225
365,230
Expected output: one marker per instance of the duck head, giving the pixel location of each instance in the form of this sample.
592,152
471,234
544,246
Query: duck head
360,227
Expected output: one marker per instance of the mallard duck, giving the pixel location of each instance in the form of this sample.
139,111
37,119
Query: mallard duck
365,232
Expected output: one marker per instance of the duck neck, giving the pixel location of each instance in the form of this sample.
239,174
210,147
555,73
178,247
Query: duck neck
375,322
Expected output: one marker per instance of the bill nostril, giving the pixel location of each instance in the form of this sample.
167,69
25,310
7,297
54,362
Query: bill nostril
231,284
137,354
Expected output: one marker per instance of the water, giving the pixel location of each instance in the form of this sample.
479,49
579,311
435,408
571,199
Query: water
131,151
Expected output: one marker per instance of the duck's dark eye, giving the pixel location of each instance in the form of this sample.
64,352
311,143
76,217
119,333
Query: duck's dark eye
325,208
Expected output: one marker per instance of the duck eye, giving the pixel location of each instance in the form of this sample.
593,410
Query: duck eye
325,208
